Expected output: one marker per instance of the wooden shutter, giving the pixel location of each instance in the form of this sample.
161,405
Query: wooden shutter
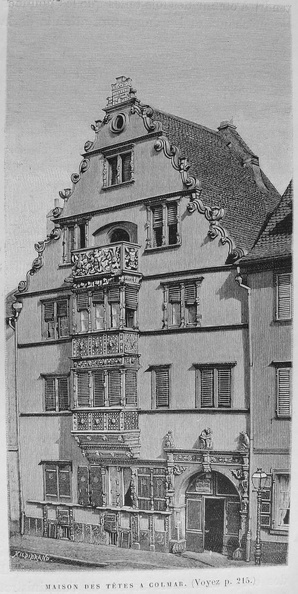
83,486
224,387
83,394
207,388
62,393
157,216
49,311
51,485
64,481
98,296
159,490
98,388
114,388
174,294
126,167
284,392
172,213
82,301
131,297
95,475
50,394
144,488
131,387
284,296
190,294
114,295
62,308
162,387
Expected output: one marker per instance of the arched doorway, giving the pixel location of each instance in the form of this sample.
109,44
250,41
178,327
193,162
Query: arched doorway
212,513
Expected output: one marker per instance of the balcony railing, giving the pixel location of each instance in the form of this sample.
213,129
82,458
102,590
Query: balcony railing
109,259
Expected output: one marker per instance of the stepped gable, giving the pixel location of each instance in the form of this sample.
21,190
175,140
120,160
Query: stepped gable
275,238
229,174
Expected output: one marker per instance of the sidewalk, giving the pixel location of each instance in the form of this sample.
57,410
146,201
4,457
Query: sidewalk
89,555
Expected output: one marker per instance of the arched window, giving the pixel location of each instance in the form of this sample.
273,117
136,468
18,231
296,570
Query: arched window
119,235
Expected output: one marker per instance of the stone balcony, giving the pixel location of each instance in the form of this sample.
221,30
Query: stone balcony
112,259
105,434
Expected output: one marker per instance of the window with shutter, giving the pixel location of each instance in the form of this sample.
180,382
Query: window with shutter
55,319
64,481
281,501
119,168
207,388
214,386
98,388
50,394
175,305
114,387
284,296
190,303
83,309
157,225
162,387
131,387
283,392
83,392
224,388
82,301
62,383
172,223
113,171
51,481
62,316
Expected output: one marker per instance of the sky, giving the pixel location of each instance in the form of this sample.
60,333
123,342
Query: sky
201,61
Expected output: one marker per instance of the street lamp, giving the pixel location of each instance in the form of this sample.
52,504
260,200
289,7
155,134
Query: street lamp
259,480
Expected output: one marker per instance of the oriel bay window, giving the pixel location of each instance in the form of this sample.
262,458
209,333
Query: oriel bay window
109,307
214,386
181,307
55,318
106,387
163,224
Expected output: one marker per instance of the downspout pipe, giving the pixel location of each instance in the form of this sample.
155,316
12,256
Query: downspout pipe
239,280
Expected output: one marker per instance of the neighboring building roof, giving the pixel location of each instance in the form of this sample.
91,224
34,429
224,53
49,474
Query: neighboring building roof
229,174
275,238
9,300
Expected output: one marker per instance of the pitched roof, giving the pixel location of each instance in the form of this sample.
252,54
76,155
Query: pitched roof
229,173
275,238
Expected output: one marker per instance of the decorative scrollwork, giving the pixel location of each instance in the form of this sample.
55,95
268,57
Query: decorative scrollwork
88,145
38,262
96,126
146,113
57,212
65,194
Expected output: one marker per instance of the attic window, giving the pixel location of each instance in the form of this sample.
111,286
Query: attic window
118,168
163,222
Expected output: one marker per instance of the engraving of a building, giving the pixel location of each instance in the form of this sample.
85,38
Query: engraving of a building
139,349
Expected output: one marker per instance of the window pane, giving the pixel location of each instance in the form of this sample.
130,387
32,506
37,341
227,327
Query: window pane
82,235
191,314
84,320
113,170
176,316
49,311
172,234
282,507
115,312
129,317
99,316
70,241
126,167
51,486
157,237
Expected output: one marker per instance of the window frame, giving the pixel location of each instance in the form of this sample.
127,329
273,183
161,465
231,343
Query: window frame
58,467
163,224
274,527
154,395
56,317
56,378
215,367
181,287
117,154
277,276
126,392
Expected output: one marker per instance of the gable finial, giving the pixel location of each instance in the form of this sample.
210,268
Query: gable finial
121,91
